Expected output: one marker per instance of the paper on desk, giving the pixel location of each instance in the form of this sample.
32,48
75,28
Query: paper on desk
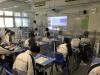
41,60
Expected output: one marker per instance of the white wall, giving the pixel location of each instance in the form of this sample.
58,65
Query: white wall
74,13
14,6
94,20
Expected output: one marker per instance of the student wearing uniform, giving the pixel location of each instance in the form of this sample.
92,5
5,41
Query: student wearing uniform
36,32
85,39
24,63
46,32
86,48
11,37
31,41
75,44
60,36
47,38
66,50
7,37
37,36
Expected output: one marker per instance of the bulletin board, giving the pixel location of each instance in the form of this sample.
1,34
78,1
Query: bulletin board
85,22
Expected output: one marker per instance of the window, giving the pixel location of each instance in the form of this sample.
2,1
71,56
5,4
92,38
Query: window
1,22
8,13
18,22
1,12
25,22
25,14
17,14
13,19
9,22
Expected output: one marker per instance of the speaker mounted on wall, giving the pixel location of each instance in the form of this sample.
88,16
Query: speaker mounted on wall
85,12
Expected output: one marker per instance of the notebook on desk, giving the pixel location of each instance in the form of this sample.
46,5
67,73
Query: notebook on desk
41,60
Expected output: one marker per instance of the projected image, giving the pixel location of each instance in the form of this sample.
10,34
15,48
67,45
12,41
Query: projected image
56,22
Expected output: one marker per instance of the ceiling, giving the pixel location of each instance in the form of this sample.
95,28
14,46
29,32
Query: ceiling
26,4
13,5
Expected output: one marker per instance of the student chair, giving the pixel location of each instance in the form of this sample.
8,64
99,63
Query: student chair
63,62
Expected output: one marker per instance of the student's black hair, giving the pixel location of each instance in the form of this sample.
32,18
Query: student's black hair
31,34
12,33
31,39
46,29
35,48
34,21
48,34
68,42
86,33
36,29
7,31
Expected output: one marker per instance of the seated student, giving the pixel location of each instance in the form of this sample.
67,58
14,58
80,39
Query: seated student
30,41
60,36
0,40
11,38
46,32
85,39
75,42
65,48
47,38
7,37
24,63
85,48
36,32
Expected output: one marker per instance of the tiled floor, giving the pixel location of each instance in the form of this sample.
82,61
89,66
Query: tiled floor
82,70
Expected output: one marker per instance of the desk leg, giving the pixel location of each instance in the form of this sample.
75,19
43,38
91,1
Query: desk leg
51,72
44,72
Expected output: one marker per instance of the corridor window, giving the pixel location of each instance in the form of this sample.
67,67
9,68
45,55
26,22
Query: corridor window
9,22
25,22
1,22
17,14
8,13
1,12
25,14
18,22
